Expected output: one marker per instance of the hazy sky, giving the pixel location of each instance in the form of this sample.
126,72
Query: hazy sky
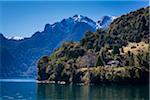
25,18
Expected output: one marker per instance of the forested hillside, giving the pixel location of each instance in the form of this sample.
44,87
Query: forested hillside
105,55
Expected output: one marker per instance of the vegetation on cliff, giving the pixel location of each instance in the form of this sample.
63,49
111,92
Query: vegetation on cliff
119,54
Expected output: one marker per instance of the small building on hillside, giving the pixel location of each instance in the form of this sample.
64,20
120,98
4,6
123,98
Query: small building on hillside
113,63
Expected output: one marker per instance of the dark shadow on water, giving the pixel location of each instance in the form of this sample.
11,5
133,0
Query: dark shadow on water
92,92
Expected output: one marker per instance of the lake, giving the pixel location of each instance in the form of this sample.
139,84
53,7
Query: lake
30,90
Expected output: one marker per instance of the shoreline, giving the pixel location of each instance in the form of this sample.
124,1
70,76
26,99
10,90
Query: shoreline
101,83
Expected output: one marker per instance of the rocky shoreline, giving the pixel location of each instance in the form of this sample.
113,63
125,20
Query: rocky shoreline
105,75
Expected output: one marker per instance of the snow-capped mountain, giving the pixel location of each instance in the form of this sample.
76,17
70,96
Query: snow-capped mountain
80,18
25,53
105,21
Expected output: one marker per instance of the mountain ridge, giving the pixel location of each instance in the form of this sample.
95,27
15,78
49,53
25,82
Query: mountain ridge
74,19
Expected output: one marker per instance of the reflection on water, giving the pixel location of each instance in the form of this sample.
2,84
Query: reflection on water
93,92
30,90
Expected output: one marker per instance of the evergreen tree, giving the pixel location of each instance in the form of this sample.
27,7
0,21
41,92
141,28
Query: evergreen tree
99,61
115,50
131,60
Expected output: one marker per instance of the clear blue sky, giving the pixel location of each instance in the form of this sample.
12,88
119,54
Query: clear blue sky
25,18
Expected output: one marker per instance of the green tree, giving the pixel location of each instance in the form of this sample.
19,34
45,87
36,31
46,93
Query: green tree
131,60
99,61
115,50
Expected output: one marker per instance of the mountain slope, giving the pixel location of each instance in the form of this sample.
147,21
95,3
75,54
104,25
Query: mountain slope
134,23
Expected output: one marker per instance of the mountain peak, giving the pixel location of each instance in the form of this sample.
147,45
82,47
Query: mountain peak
81,18
105,21
47,27
77,17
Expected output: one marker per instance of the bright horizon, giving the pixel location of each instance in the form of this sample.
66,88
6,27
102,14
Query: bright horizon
23,19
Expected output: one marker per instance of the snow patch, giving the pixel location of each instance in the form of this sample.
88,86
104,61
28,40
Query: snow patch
15,38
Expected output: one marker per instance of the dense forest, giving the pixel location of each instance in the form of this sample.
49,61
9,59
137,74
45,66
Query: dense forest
119,54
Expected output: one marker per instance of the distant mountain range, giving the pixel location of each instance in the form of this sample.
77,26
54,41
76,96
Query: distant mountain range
19,55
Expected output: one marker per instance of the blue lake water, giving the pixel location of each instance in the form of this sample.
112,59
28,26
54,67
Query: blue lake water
30,90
